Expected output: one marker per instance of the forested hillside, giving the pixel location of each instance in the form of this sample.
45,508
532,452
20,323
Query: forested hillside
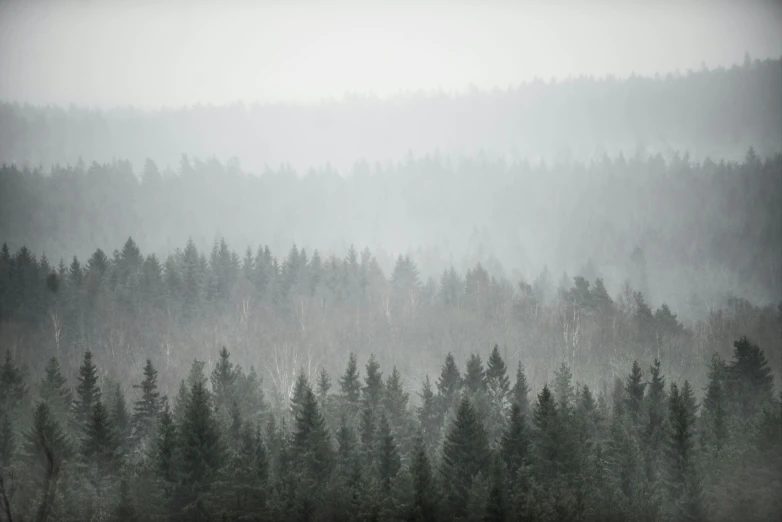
718,113
689,234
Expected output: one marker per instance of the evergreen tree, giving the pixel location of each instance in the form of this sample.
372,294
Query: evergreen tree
87,392
520,391
564,392
349,384
146,410
373,383
749,380
546,435
54,390
515,443
496,374
165,449
634,394
429,417
367,433
310,442
46,447
680,453
388,460
124,511
465,454
425,492
475,375
715,430
324,385
12,387
449,385
121,419
223,379
199,455
100,448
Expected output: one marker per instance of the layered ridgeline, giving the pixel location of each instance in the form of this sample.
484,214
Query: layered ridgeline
711,112
480,444
307,310
691,234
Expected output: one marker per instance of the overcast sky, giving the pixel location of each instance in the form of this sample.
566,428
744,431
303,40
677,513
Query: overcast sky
136,53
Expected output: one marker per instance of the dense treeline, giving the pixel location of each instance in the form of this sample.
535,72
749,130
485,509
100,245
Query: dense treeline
477,447
708,231
711,112
307,311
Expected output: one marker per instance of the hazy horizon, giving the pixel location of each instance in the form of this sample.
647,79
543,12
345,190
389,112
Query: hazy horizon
65,53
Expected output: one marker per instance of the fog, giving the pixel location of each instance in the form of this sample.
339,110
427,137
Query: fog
149,54
426,261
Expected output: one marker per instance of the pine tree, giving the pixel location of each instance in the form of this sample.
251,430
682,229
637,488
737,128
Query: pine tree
475,375
429,417
497,373
310,442
12,387
54,390
346,448
425,492
367,433
100,448
520,391
680,446
121,419
124,511
165,449
373,383
515,443
223,379
46,447
350,386
7,443
199,455
497,504
146,410
388,460
715,430
564,392
87,393
324,385
634,394
546,435
749,381
465,454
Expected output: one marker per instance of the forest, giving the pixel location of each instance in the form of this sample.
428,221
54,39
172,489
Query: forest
555,301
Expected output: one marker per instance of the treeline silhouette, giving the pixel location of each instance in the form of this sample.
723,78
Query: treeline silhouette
710,112
307,311
708,231
476,447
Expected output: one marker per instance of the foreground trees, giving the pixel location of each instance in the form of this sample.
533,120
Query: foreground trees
657,454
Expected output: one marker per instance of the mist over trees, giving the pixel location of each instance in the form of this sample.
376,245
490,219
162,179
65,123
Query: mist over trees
717,113
561,300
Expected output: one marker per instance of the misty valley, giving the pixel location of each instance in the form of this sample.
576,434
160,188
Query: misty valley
555,301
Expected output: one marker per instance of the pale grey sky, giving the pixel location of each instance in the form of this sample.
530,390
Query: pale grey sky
179,53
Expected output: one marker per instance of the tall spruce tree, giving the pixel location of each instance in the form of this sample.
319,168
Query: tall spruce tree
520,391
426,496
475,375
147,409
87,393
373,383
350,385
54,390
465,454
388,460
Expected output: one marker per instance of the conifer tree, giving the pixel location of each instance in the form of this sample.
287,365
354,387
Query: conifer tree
465,454
223,379
515,443
546,435
564,392
124,511
520,391
388,460
324,385
425,491
749,380
350,386
310,442
100,448
429,417
146,410
373,383
54,390
87,392
165,449
475,375
497,374
680,451
12,387
634,394
199,453
45,447
715,431
367,433
120,419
